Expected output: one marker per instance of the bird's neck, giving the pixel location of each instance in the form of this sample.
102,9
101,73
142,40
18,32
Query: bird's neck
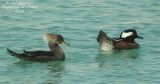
58,52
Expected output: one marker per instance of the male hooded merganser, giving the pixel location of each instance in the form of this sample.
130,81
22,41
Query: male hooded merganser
125,41
55,53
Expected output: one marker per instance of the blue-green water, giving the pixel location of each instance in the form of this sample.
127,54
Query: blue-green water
79,22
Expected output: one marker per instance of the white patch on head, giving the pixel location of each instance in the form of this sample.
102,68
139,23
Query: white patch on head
126,34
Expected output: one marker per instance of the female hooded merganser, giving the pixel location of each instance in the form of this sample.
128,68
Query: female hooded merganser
125,41
55,53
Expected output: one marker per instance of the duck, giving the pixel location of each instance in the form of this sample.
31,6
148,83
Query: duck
125,41
54,54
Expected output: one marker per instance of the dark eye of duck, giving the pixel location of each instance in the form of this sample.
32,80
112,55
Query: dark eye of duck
60,38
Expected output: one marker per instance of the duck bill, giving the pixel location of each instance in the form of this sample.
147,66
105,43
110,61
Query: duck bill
65,43
140,37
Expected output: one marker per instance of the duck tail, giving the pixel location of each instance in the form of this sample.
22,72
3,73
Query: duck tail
12,53
105,42
22,56
102,35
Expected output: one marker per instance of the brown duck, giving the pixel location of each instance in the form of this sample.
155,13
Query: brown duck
55,53
125,41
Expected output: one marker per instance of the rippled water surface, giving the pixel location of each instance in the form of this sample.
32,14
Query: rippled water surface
79,22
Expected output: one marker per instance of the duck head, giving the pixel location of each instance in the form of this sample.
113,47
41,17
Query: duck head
54,39
129,35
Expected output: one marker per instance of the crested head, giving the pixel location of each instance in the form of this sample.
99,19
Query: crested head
126,34
54,39
129,35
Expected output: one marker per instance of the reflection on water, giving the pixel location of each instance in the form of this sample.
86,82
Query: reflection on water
114,58
104,57
119,65
55,66
22,64
50,72
133,54
55,72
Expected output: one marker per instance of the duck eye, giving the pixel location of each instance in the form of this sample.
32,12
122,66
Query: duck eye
60,38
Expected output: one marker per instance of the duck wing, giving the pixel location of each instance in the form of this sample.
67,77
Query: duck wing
33,55
37,53
124,45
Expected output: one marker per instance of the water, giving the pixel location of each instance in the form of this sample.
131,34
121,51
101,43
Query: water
79,23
